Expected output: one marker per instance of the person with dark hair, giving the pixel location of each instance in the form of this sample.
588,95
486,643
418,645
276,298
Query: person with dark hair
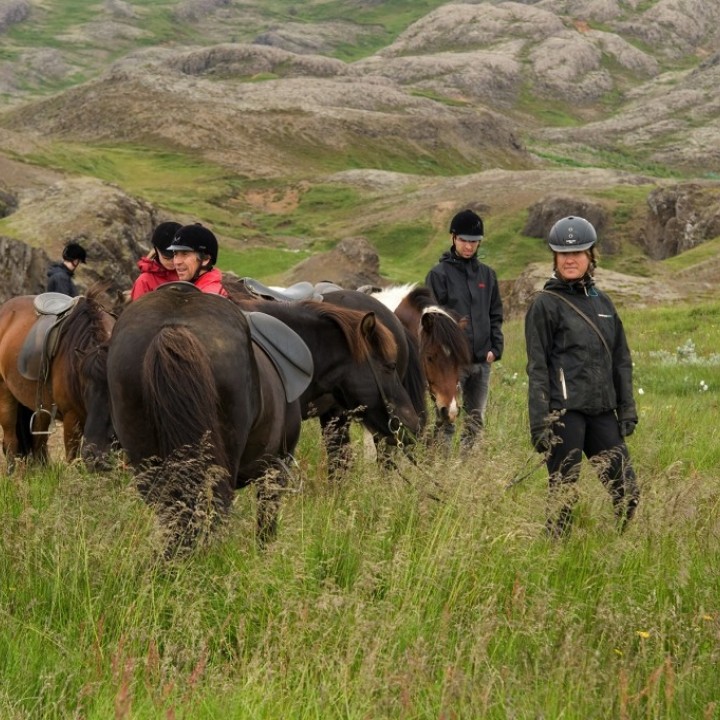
195,252
157,267
580,391
460,282
60,274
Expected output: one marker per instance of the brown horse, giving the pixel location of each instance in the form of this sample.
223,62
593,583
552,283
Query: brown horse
64,389
444,348
199,409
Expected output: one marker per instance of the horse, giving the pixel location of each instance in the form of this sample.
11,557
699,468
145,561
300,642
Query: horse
63,387
355,365
444,347
332,409
199,409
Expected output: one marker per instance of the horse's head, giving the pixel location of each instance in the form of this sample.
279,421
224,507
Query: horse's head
445,352
98,431
374,384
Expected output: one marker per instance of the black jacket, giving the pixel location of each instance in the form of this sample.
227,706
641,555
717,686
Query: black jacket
60,280
568,365
470,288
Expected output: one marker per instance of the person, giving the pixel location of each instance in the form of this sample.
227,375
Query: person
195,252
580,392
157,267
60,274
462,283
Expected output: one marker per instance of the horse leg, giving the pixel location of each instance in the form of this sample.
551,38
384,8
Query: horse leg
72,436
336,435
269,494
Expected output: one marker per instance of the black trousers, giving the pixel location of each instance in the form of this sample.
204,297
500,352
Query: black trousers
598,438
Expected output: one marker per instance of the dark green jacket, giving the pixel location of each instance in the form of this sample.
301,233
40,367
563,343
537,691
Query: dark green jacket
568,366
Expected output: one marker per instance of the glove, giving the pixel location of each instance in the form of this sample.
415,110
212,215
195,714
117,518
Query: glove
627,427
541,438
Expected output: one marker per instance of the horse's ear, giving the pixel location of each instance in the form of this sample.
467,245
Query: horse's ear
368,323
427,320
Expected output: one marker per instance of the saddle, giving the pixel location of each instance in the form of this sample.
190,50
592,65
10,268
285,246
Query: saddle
302,290
41,342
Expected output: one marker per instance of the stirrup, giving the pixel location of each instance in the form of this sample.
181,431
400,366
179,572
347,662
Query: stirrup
51,426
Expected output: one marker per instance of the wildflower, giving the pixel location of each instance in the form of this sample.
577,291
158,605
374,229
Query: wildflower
641,391
643,634
703,386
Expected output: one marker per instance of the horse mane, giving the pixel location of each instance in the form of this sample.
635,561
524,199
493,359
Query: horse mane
82,332
350,322
447,332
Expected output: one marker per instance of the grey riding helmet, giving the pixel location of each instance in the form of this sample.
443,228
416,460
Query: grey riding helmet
572,234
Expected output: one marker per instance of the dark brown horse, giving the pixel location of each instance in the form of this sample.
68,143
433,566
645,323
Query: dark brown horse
65,390
444,347
355,365
199,409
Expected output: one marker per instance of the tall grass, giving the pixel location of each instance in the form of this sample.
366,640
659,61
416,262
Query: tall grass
379,601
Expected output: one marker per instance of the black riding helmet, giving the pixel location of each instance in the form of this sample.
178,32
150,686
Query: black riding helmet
572,234
467,225
74,251
164,234
196,238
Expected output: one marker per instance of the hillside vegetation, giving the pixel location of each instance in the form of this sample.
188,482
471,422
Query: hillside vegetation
288,126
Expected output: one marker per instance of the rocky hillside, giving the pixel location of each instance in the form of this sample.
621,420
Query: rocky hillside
419,107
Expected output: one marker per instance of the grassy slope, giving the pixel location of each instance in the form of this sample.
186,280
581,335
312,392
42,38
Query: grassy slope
376,601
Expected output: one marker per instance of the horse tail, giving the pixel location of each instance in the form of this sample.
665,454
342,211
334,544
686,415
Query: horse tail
22,431
414,378
180,394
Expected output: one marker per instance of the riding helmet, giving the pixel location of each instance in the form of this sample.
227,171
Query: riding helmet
164,234
196,238
572,234
74,251
467,225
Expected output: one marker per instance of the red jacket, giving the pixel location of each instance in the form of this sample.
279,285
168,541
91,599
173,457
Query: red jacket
211,282
152,275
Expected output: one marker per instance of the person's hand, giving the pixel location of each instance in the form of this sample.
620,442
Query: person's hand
541,438
490,357
627,427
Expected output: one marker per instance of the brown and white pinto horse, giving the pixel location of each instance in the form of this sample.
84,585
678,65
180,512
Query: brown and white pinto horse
444,348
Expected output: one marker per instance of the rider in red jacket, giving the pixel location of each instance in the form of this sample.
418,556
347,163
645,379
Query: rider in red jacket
157,268
195,250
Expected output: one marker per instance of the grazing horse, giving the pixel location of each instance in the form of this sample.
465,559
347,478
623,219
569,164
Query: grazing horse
198,407
61,390
355,364
444,348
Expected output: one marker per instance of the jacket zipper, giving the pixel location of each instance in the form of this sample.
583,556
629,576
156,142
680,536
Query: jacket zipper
563,385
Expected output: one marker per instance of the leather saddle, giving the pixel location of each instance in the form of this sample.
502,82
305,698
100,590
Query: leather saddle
41,342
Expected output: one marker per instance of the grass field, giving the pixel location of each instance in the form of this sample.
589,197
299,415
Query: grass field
379,601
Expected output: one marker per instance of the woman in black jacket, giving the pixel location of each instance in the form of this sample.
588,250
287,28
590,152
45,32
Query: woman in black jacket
580,395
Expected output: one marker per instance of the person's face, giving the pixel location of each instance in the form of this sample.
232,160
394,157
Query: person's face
187,263
572,265
166,259
464,248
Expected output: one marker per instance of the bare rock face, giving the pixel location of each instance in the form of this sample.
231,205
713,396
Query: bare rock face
112,226
681,217
351,263
23,268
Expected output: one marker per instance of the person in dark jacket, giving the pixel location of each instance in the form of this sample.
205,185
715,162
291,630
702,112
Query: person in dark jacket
460,282
60,274
580,390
